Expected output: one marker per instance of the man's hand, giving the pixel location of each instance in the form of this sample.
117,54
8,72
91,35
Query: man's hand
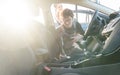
77,37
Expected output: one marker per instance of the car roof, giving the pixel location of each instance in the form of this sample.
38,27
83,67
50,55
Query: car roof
85,3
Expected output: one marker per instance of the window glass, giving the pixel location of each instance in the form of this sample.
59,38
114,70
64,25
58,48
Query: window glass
84,16
40,17
81,14
113,4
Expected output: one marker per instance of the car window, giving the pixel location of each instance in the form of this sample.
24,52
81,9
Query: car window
81,14
40,17
113,4
84,16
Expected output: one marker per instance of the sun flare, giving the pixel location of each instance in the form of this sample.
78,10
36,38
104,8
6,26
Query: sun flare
16,14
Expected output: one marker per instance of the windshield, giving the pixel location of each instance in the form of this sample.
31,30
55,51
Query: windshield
113,4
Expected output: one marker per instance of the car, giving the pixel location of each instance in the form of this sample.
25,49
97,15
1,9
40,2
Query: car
29,44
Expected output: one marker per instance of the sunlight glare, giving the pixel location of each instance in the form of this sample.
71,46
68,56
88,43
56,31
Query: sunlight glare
16,14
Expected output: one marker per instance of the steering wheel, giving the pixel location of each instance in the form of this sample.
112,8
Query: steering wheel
94,26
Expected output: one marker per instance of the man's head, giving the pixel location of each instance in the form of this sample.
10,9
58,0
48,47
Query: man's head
58,7
58,10
67,17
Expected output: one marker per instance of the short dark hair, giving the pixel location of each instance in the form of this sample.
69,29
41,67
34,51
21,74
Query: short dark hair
67,12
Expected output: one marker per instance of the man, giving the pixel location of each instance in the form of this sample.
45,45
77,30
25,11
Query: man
70,31
58,9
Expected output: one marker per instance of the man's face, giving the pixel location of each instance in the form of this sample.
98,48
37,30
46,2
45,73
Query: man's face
67,21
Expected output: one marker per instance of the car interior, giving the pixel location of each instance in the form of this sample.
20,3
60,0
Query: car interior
35,50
